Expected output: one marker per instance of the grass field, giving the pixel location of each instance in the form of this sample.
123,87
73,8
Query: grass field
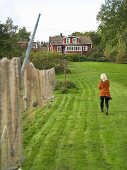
71,133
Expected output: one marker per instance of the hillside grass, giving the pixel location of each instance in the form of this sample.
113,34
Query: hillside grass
71,133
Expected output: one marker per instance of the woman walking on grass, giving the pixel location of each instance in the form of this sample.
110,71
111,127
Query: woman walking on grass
104,92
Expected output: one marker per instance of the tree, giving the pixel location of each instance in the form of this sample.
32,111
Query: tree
122,52
77,33
4,44
97,49
8,42
95,36
113,24
109,52
9,37
23,35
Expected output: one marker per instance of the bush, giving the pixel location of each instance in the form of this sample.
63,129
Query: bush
46,60
64,90
60,86
72,57
88,57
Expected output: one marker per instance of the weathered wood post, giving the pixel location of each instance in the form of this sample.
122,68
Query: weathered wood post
11,144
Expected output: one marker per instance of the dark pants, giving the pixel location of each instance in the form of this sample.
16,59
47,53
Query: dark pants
104,99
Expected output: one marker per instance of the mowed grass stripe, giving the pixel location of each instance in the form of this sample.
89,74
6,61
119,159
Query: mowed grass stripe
42,128
91,135
32,124
49,143
113,129
71,154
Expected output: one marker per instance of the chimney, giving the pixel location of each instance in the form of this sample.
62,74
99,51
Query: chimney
61,35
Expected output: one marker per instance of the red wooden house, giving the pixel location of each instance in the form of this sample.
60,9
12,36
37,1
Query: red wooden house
70,44
24,44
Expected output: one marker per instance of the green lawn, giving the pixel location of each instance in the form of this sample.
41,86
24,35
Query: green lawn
71,133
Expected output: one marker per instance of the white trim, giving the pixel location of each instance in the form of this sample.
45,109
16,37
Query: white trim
58,48
73,48
67,40
85,48
74,40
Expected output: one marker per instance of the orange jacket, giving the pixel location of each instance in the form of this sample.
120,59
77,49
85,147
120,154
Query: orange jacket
104,88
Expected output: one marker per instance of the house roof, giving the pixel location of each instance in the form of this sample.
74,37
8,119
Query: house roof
58,40
85,40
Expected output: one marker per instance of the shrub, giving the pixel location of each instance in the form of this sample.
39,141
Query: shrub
46,60
72,57
89,57
70,85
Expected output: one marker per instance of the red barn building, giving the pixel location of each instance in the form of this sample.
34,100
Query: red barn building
70,44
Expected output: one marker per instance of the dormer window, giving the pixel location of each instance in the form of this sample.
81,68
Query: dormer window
67,40
74,40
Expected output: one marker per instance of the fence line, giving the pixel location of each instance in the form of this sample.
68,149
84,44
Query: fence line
10,125
37,89
38,86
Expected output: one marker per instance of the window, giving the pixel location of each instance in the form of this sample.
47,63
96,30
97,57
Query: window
73,48
79,48
67,40
85,48
74,40
59,49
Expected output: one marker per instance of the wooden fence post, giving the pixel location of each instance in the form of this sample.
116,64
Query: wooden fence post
11,145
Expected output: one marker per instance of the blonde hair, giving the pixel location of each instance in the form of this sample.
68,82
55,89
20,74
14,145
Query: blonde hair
103,77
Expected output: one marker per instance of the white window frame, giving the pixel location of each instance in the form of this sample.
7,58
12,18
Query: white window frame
67,40
58,48
85,48
74,40
73,48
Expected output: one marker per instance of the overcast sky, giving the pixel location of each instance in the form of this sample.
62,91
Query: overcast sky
57,16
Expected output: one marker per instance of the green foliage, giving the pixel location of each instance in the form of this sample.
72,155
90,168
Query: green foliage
94,55
96,52
95,36
113,28
110,52
9,37
122,52
23,35
77,33
46,60
66,88
73,57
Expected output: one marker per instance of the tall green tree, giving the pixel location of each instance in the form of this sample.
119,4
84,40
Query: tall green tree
4,43
113,26
77,33
8,42
97,49
10,35
23,34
